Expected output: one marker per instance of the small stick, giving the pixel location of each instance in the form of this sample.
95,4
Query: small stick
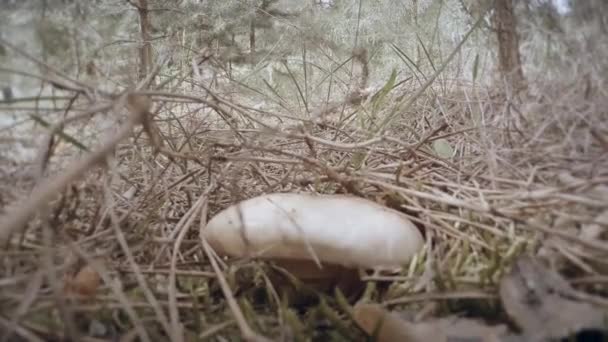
17,217
176,327
246,332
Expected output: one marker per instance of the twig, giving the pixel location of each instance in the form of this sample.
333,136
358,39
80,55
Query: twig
440,296
116,288
182,227
30,296
17,216
160,314
22,332
246,332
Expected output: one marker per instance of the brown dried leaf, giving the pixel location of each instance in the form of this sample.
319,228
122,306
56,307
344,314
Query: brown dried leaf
391,327
543,304
85,283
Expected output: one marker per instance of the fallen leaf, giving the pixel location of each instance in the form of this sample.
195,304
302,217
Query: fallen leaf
388,326
443,149
543,304
374,320
85,283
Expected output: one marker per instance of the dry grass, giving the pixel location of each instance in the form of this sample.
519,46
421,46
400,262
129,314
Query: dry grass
528,174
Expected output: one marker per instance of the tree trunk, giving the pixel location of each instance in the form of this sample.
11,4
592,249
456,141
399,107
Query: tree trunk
145,52
415,19
252,36
509,58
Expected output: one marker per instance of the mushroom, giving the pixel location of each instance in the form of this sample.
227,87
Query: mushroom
315,236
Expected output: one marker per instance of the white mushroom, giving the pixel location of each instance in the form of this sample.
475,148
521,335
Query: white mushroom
327,229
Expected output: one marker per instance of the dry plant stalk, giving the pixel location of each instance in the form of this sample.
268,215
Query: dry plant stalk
182,228
20,213
246,332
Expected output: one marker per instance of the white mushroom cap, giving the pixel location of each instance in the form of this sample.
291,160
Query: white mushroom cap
336,229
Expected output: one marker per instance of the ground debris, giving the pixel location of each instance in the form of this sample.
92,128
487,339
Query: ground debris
389,326
544,306
539,301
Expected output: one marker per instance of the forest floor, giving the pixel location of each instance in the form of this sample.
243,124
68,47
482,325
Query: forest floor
510,192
